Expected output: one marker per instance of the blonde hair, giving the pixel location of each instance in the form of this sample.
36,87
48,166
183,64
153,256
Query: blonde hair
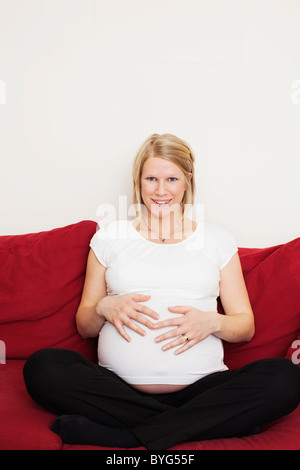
171,148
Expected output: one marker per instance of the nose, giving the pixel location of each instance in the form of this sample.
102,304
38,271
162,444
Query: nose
160,189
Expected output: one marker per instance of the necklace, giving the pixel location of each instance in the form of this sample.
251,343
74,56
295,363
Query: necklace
161,237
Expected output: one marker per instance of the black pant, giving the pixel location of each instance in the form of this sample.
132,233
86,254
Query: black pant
222,404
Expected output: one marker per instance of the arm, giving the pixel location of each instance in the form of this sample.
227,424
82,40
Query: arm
238,322
88,320
96,307
235,326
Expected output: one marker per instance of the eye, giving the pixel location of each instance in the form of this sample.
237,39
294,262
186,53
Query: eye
172,179
151,178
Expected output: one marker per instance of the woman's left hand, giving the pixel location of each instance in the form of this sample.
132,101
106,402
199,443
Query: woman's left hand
192,327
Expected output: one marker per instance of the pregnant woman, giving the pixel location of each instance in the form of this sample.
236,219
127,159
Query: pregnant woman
150,293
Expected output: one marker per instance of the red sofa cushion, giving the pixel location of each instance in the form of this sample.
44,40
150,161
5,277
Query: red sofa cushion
293,353
41,281
272,276
24,424
42,275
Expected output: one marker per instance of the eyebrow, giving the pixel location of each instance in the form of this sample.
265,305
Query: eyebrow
172,175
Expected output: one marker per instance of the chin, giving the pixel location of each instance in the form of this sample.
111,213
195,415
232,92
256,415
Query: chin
162,212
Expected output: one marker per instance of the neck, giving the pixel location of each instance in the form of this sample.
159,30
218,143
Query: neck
164,228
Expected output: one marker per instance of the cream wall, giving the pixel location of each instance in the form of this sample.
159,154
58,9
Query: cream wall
84,82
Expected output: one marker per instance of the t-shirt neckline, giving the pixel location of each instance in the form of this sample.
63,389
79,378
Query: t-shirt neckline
162,244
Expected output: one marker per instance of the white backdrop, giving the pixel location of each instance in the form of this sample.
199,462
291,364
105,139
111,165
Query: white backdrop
84,82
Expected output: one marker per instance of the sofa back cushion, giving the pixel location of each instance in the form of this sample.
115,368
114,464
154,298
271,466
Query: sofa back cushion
42,276
272,276
41,280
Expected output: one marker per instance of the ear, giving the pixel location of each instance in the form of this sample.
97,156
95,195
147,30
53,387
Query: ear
186,185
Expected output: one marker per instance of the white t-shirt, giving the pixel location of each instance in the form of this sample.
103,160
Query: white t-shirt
185,273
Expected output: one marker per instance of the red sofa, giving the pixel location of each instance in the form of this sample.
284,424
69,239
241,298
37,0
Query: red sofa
41,279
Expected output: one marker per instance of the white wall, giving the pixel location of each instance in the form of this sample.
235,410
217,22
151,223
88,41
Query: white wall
83,83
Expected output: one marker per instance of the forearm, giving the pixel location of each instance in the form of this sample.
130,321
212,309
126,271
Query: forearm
88,321
234,328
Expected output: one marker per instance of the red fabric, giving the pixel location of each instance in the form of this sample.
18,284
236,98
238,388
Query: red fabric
283,434
293,353
23,424
41,280
272,276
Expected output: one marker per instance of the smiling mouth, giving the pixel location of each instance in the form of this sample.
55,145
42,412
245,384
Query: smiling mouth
161,203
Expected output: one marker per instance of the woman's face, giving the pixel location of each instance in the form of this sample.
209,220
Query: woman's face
162,186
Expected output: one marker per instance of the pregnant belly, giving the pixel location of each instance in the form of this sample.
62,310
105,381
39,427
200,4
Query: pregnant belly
142,363
158,388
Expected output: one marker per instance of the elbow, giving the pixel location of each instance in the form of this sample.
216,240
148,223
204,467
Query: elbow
83,334
80,328
80,331
249,338
245,334
84,329
250,333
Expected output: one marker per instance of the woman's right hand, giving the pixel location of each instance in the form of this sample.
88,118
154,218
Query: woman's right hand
120,310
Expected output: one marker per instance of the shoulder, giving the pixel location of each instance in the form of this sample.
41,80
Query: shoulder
216,233
108,239
219,243
112,230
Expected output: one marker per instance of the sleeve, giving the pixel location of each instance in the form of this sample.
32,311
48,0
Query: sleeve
225,246
102,244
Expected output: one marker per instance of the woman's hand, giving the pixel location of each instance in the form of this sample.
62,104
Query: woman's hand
192,327
120,310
